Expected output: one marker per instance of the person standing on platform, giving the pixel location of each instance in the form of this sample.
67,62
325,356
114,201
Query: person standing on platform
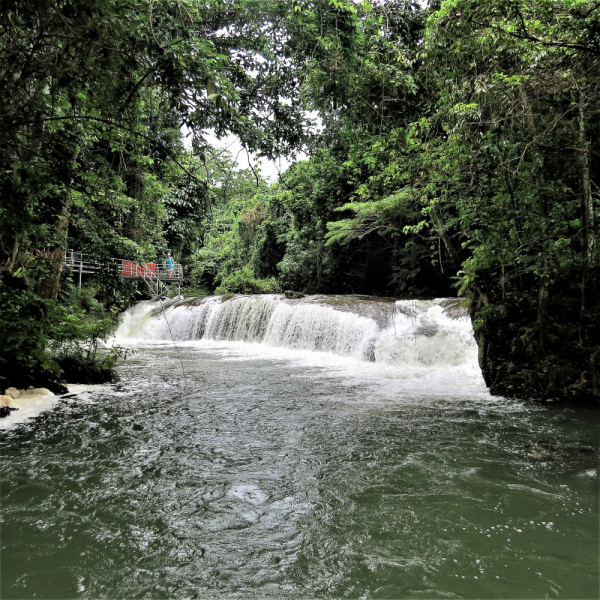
169,265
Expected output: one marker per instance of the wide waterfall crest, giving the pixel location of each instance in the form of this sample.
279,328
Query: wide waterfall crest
404,332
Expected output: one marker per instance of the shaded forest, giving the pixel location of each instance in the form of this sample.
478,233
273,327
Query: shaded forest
453,150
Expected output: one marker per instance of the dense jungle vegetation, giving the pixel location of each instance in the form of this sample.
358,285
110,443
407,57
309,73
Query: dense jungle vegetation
456,151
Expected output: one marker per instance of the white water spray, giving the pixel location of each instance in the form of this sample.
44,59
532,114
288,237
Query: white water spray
404,333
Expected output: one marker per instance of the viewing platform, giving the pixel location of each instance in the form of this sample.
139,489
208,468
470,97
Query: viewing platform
86,263
156,275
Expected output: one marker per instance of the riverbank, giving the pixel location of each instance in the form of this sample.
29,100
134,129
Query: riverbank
554,358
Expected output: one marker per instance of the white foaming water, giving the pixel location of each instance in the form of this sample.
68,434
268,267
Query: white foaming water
31,406
406,333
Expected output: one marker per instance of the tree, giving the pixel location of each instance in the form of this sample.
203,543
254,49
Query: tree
519,96
84,88
93,97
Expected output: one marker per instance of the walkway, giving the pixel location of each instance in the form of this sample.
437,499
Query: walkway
155,274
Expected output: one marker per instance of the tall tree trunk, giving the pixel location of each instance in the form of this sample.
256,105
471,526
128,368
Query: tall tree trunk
587,203
450,249
15,252
538,172
49,285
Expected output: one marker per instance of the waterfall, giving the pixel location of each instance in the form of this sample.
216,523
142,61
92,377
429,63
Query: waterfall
403,332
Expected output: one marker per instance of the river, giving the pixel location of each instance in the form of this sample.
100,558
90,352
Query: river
329,447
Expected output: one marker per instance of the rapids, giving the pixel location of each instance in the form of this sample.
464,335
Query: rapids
329,447
406,333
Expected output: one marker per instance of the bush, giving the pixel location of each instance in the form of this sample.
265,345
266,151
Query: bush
40,339
26,323
242,281
196,291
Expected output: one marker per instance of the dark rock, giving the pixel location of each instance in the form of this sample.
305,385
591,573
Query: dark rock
56,388
566,451
293,295
455,308
87,371
519,360
5,411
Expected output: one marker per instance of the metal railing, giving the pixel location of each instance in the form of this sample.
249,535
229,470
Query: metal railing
85,263
82,263
162,271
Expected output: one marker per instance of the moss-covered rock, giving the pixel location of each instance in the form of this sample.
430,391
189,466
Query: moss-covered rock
520,359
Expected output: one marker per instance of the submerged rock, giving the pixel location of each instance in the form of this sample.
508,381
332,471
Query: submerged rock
7,404
5,411
561,451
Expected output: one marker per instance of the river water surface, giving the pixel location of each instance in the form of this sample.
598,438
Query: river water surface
324,448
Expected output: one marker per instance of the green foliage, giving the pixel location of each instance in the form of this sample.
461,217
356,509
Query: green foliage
228,230
91,149
26,323
91,119
242,281
387,216
296,233
84,327
291,245
458,142
37,336
519,107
